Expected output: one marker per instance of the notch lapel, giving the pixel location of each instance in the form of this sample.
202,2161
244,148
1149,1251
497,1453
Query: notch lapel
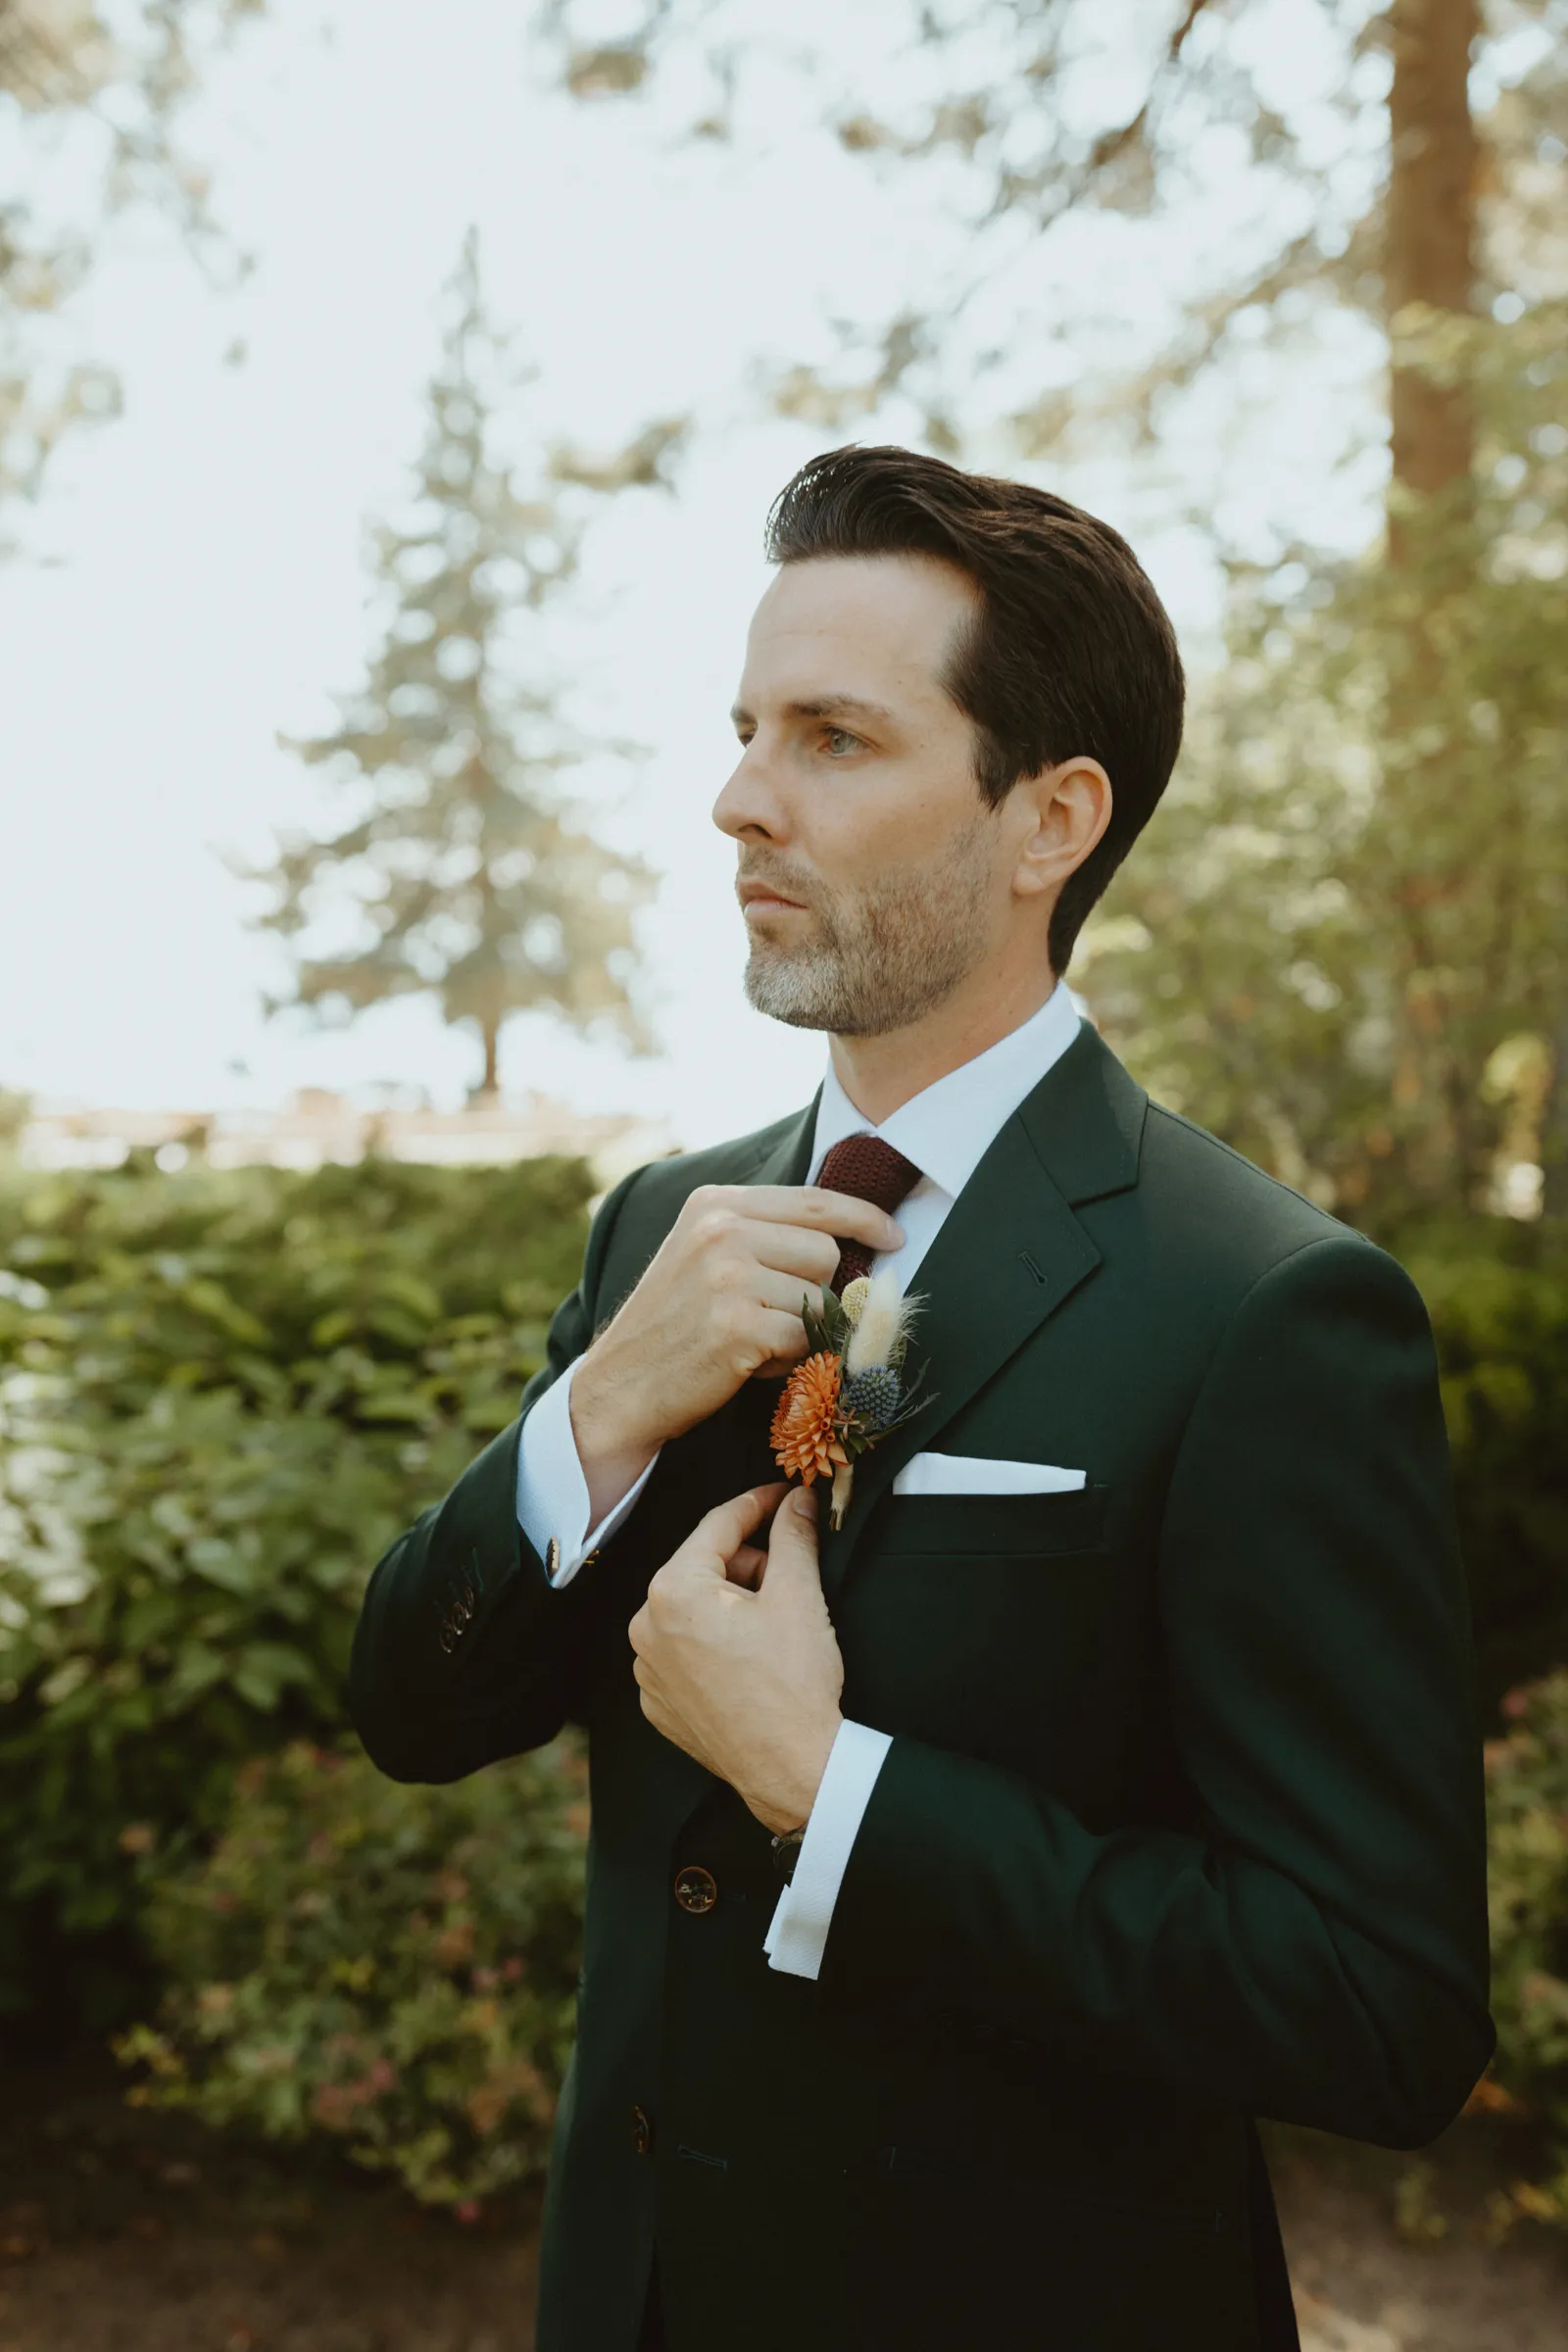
788,1158
1009,1253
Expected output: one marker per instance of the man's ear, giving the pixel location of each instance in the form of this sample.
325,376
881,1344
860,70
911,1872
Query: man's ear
1069,809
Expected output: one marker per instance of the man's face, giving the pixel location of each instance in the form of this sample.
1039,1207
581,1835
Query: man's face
873,877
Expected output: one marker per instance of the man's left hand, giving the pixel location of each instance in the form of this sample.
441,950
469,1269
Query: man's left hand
736,1656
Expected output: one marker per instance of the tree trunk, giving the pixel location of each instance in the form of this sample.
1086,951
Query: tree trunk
1430,255
1554,1130
491,1031
1429,259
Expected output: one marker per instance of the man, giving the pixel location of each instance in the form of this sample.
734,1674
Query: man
1120,1743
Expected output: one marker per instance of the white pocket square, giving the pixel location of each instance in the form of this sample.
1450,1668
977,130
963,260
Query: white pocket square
981,1474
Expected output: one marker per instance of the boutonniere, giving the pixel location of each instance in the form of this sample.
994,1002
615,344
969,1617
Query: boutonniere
853,1390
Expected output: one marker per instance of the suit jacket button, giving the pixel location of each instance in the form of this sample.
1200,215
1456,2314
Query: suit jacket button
696,1888
642,2132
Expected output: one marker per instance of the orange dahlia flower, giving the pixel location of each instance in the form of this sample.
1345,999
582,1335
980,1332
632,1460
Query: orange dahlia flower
803,1435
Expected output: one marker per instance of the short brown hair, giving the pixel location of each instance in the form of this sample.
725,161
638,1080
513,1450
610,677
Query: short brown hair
1072,652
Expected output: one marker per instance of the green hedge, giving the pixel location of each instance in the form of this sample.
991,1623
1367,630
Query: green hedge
395,1967
1498,1298
1526,1815
220,1397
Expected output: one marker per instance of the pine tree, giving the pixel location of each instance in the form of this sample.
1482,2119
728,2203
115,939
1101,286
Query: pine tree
470,878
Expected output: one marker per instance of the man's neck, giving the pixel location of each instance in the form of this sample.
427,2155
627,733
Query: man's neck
880,1074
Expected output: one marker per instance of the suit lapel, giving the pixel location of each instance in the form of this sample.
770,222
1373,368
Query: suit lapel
788,1161
1010,1252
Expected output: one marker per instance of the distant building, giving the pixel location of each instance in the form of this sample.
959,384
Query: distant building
318,1127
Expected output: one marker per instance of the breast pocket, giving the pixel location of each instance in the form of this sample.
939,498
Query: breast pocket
996,1526
994,1625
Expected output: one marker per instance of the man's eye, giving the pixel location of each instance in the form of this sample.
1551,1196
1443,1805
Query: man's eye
839,739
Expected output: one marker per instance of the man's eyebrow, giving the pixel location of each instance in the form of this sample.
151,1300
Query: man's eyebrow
825,706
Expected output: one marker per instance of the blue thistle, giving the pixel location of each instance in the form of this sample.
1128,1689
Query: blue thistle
873,1396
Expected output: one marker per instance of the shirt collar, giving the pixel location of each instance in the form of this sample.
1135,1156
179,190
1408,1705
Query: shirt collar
948,1128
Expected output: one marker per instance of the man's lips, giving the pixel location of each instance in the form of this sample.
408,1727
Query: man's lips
761,897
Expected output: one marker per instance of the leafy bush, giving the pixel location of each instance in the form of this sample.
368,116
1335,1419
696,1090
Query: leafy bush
394,1967
220,1397
1499,1302
1526,1784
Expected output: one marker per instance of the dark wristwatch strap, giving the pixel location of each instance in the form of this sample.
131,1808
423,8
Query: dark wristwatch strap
786,1847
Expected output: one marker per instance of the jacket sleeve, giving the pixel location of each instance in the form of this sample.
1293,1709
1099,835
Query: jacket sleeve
464,1651
1315,1948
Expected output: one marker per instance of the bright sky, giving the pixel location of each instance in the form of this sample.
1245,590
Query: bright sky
201,582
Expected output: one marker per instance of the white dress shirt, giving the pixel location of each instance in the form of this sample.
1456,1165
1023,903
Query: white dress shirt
946,1130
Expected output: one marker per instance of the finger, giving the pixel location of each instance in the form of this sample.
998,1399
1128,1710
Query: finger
785,1294
802,1251
811,1205
783,1334
848,1218
792,1544
746,1566
722,1532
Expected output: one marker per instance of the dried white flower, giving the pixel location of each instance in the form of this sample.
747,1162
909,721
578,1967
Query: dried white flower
882,1328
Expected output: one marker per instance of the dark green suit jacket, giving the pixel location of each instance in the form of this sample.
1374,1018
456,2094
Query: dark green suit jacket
1181,1823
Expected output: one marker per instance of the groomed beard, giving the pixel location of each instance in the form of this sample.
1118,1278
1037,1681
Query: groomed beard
883,958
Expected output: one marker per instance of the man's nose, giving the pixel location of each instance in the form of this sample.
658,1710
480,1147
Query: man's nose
750,807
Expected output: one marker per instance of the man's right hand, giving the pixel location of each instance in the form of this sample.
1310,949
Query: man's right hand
721,1305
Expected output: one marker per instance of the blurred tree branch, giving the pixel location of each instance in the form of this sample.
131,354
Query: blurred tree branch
113,84
1355,907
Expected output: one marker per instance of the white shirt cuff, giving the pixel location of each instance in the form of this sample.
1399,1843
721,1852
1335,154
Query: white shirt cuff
798,1936
552,1492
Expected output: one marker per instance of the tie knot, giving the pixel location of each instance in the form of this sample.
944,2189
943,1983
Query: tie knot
867,1169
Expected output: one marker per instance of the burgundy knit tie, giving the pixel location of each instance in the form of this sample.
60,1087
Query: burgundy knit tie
867,1169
